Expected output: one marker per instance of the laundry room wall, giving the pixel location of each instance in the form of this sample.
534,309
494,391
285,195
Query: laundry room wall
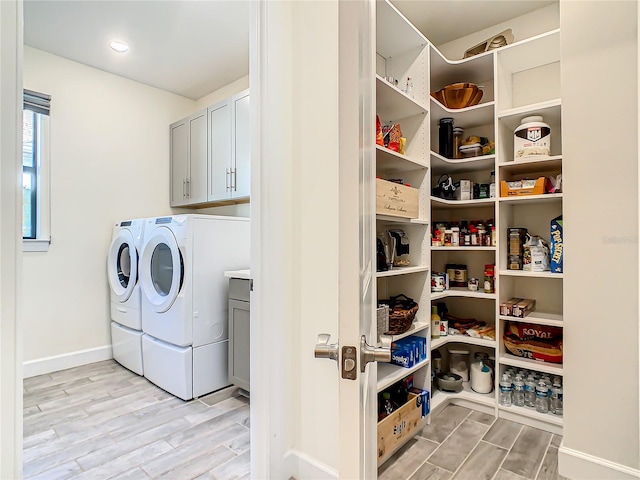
110,162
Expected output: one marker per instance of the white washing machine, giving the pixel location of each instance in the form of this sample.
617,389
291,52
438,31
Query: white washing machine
126,308
184,299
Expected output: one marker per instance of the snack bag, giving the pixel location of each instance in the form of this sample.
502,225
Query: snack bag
379,139
395,134
536,255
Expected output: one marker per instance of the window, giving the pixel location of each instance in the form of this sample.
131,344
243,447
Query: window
35,172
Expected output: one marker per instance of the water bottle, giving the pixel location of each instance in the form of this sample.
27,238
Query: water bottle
505,391
556,401
542,400
530,392
518,392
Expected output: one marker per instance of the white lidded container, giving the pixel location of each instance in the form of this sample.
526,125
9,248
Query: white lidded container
532,138
459,363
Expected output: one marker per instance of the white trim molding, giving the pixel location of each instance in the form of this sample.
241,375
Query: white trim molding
56,363
35,245
304,467
575,464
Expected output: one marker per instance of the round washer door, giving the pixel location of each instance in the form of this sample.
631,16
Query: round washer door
161,270
122,265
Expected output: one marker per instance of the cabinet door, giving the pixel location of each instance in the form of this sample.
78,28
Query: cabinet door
219,151
197,179
179,132
239,356
241,150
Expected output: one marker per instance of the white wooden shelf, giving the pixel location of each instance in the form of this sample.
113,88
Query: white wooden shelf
523,273
513,361
393,104
463,249
533,199
477,69
405,221
462,292
531,412
441,203
395,35
467,118
402,271
388,374
415,328
481,342
440,164
438,396
390,161
551,111
539,318
531,164
530,53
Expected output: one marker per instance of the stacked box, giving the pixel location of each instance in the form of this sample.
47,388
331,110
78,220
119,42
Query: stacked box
408,351
517,307
557,245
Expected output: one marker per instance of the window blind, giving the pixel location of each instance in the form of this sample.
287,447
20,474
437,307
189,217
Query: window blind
37,102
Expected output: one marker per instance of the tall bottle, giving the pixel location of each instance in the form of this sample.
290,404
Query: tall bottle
542,400
505,397
518,392
530,392
435,322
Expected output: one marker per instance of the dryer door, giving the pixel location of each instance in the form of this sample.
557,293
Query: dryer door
161,269
122,265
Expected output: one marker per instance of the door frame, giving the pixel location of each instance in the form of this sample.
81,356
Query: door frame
11,42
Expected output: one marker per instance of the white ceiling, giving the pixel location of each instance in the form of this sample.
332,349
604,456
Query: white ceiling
194,47
190,48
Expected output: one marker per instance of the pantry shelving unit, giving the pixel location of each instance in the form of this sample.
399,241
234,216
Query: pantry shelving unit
519,80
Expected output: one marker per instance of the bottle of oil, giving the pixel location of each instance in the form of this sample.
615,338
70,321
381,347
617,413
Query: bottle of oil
435,322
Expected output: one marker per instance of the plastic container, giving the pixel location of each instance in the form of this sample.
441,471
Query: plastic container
458,134
473,150
542,400
459,363
532,138
445,137
435,322
518,392
481,374
530,392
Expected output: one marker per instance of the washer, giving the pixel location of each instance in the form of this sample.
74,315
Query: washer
184,299
126,309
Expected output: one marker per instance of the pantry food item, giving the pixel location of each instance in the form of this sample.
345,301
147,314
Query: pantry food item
459,95
527,186
517,238
523,307
532,138
535,255
557,245
535,342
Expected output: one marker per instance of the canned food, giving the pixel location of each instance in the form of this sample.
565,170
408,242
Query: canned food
473,284
437,282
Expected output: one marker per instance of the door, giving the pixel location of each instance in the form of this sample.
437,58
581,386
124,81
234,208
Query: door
179,162
161,269
219,151
241,147
197,178
122,265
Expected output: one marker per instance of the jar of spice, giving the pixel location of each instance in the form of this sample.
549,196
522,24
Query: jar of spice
448,234
455,236
488,278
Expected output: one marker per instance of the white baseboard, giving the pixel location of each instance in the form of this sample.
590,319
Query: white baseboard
56,363
579,465
305,467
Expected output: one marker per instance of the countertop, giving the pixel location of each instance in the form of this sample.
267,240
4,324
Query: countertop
243,274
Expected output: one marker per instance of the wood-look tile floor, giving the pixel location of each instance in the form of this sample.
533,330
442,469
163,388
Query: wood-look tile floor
468,445
102,421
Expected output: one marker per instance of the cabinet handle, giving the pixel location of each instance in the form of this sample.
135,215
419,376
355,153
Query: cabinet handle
234,183
226,179
188,188
184,182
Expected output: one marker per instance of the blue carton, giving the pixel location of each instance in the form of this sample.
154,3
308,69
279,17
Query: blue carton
557,245
403,355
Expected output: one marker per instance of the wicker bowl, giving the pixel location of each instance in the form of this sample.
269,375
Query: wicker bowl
400,320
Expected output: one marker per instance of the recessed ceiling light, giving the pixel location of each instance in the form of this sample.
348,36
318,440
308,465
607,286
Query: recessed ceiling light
118,46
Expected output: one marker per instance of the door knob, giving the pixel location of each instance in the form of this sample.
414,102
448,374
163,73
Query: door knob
374,354
324,349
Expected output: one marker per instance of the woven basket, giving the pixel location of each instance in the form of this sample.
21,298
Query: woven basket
400,320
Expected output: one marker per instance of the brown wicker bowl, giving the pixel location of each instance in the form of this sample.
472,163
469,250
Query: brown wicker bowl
400,320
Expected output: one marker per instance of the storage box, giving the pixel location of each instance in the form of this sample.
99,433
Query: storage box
523,308
464,190
524,187
398,426
396,200
506,308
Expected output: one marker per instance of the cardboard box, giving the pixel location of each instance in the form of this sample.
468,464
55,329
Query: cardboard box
557,245
523,308
524,187
401,424
506,308
396,200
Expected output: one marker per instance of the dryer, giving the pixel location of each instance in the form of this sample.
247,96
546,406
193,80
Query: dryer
126,312
184,299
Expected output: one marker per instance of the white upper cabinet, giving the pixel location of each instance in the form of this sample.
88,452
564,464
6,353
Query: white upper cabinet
189,160
220,148
241,147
